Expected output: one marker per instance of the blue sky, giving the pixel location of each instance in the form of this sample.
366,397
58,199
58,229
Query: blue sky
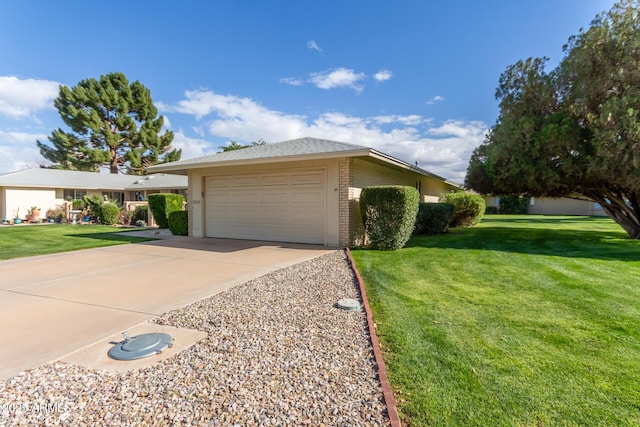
415,79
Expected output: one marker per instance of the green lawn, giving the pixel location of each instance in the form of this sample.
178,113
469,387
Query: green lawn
520,321
21,241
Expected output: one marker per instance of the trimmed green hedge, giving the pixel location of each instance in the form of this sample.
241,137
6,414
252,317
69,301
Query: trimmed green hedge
162,205
109,213
469,208
389,215
179,223
516,205
433,218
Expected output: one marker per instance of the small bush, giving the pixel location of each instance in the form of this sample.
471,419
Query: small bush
516,205
491,210
141,213
389,214
179,223
126,217
77,204
433,218
469,208
109,213
141,223
162,205
94,204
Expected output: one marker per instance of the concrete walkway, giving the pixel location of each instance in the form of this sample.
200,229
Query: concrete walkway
53,305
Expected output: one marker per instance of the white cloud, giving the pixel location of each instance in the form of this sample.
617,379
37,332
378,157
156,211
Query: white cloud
22,98
410,120
18,151
444,149
198,130
311,44
292,81
191,147
339,77
435,99
383,75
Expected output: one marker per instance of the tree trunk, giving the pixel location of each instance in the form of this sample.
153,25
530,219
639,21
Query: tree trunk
619,210
113,166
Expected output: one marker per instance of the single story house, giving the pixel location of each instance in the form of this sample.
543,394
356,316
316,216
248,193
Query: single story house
557,206
304,190
49,188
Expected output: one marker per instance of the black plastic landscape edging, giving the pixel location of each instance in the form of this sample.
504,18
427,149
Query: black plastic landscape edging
392,410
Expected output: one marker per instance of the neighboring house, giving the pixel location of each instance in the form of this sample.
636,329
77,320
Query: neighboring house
557,206
48,188
304,190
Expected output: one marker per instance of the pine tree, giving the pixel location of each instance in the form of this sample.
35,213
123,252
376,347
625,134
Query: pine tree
113,123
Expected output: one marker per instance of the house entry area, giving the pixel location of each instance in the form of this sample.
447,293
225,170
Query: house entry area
283,206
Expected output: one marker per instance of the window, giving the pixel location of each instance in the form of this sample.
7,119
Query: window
71,194
115,196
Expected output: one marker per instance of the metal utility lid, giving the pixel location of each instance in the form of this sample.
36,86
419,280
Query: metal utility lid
349,304
140,346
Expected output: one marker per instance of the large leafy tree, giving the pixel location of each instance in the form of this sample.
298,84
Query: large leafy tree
573,131
113,123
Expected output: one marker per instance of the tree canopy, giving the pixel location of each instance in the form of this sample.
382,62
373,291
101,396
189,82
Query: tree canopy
575,130
113,123
233,145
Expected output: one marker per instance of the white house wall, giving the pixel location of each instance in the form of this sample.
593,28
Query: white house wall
25,198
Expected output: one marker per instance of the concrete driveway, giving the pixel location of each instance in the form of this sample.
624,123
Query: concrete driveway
53,305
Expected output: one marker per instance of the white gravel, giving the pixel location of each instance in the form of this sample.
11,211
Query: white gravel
278,352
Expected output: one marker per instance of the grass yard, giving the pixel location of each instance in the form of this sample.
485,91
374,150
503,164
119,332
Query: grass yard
520,321
22,241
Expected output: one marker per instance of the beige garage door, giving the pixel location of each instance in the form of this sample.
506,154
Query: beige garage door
286,206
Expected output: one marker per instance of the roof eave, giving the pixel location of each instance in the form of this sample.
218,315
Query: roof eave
389,159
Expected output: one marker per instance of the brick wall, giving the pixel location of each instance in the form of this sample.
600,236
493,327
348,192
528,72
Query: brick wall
190,207
344,217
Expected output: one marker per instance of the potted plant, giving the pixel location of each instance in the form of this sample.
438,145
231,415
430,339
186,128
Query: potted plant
55,215
34,214
16,216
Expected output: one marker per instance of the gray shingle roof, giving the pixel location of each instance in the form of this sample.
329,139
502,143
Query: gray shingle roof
294,147
55,178
158,182
287,150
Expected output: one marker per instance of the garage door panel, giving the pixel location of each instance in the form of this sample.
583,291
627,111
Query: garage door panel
307,178
275,180
284,206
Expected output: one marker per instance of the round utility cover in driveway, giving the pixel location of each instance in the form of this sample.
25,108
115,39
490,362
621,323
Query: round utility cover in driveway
140,346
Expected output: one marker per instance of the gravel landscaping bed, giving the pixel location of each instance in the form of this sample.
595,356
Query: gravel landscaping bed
278,352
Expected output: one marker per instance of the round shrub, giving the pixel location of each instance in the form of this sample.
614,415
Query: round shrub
433,218
389,215
469,208
109,213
